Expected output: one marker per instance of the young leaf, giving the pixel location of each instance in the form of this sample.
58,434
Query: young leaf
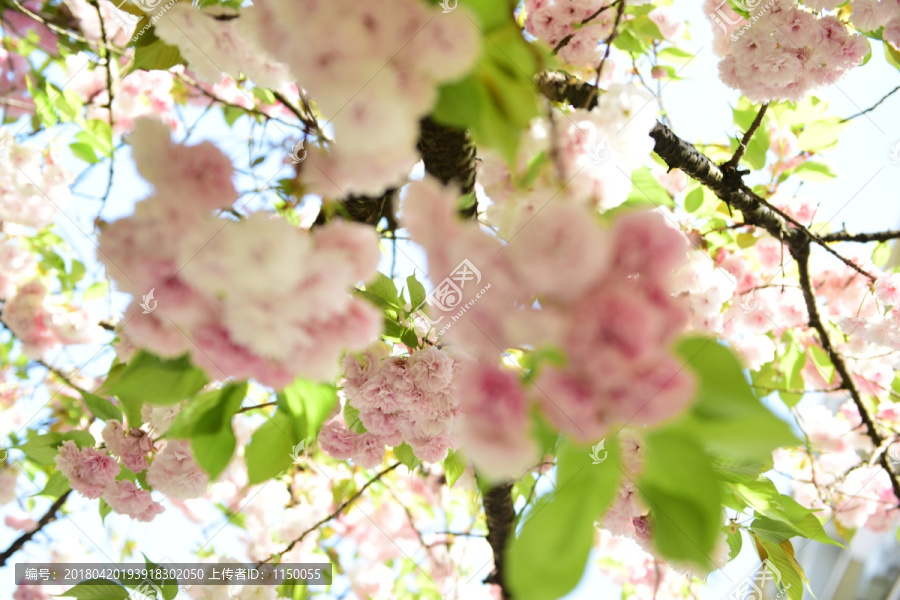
102,408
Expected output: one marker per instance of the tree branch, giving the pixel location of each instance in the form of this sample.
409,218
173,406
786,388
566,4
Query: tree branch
748,135
449,155
334,514
879,236
23,539
728,186
874,106
500,516
562,43
801,255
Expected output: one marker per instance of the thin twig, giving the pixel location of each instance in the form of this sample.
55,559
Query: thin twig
745,141
48,518
562,43
334,514
620,12
801,255
874,106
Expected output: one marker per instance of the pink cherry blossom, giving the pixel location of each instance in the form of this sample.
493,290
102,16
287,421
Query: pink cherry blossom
126,498
89,470
175,473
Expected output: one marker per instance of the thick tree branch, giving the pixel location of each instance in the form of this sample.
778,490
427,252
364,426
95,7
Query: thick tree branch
726,184
449,155
878,236
500,516
23,539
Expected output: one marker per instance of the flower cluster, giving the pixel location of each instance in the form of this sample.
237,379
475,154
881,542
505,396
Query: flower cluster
40,324
830,476
786,50
251,298
374,70
584,26
604,297
399,400
218,32
175,473
595,151
32,185
92,473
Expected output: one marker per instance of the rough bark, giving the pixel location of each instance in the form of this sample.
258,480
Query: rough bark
500,515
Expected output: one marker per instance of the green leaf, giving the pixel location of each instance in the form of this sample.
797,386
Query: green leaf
206,421
351,418
102,408
454,466
416,292
701,201
881,254
269,451
735,542
56,486
168,586
771,530
150,378
490,15
84,151
309,404
459,102
98,135
44,448
383,287
409,338
787,572
727,419
646,190
821,135
680,487
96,290
763,497
549,556
93,589
405,455
814,171
155,56
105,509
791,365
